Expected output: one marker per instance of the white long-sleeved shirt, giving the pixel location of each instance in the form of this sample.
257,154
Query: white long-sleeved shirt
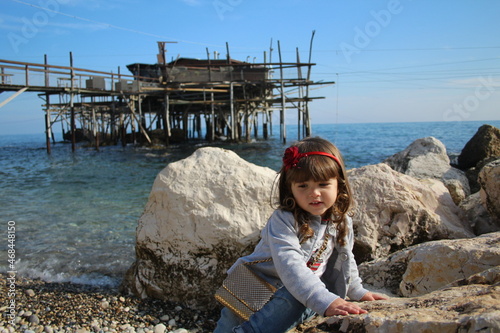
279,240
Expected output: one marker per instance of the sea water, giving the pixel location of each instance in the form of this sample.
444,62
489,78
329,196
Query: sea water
75,214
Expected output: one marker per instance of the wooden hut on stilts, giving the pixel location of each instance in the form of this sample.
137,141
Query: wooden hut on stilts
165,102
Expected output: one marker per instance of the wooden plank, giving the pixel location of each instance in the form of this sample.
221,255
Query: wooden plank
13,96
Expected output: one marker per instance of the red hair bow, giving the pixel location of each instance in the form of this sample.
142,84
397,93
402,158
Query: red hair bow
292,157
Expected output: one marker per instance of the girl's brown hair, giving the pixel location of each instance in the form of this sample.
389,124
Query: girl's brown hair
316,168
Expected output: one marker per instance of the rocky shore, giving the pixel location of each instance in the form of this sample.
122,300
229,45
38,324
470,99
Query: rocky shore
427,231
66,307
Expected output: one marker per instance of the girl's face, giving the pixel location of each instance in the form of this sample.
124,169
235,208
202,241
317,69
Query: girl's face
315,197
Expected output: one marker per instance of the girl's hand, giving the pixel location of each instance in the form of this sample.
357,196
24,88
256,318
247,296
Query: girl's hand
343,308
369,296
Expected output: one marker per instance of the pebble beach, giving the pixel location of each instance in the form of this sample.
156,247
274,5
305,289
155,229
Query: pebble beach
66,307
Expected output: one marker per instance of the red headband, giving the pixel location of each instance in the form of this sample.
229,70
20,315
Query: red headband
292,157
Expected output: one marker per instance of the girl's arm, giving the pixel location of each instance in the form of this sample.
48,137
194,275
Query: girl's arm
356,290
290,264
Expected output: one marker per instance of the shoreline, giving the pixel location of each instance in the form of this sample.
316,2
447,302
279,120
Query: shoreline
56,307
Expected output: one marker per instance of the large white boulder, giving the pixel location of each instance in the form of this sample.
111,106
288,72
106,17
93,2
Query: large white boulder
426,267
203,213
427,158
394,211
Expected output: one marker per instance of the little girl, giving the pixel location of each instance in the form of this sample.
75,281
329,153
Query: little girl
310,240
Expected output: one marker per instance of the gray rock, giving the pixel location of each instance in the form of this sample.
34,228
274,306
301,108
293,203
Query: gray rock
34,319
30,292
427,158
477,215
484,144
160,328
489,178
426,267
473,308
394,211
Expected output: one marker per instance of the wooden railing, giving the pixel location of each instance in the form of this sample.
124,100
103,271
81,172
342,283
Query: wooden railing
39,76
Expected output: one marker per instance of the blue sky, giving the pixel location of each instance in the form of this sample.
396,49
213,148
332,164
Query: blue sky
393,61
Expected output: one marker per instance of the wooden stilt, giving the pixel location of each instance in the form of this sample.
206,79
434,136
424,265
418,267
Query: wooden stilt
123,130
255,125
265,117
231,104
212,112
283,101
94,130
307,115
166,120
113,136
47,124
71,104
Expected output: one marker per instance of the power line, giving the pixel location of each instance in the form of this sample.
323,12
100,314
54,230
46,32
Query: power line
419,49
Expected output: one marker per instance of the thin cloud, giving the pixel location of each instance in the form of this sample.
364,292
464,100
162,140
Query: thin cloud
193,3
474,82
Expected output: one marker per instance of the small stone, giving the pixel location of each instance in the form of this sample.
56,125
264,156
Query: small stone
81,330
178,308
172,322
165,318
48,329
30,293
34,319
122,299
104,304
180,330
160,328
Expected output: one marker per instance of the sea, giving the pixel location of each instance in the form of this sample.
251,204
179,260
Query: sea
72,216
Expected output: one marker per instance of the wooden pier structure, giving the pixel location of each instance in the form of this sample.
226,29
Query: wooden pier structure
165,102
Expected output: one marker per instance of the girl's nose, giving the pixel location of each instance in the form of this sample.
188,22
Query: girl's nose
314,192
